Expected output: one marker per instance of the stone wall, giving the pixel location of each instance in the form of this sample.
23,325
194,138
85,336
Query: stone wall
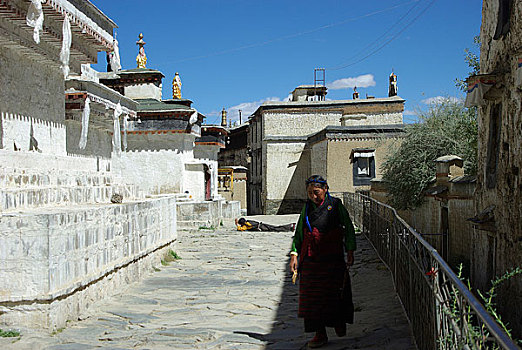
429,221
26,188
230,209
32,94
500,245
206,214
426,221
54,254
461,231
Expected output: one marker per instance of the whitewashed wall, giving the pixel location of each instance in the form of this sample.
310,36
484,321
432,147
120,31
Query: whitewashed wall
154,171
209,155
298,124
319,158
155,162
31,93
139,91
52,163
194,180
285,171
371,119
18,129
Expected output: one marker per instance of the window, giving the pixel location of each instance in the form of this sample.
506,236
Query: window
363,166
503,18
493,145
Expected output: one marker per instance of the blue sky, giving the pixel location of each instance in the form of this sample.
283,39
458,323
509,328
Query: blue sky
238,53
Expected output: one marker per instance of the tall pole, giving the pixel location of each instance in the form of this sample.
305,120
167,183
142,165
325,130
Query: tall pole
239,117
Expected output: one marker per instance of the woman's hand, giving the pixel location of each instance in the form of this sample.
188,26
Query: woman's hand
293,263
349,258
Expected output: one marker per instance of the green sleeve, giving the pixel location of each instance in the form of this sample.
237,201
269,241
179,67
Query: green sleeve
349,231
299,233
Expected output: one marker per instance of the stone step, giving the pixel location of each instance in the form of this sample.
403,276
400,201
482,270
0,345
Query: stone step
23,198
183,197
62,249
20,178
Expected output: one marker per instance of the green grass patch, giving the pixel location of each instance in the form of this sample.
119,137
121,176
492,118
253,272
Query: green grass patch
9,333
57,331
174,255
164,263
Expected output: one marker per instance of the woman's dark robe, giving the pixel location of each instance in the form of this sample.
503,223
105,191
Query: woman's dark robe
324,286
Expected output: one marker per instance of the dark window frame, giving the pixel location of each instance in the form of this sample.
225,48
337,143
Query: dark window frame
363,180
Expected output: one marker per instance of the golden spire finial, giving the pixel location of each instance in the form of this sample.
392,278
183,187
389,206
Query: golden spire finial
224,117
141,59
176,86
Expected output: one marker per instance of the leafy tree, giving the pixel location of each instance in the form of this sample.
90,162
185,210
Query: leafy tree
473,60
447,127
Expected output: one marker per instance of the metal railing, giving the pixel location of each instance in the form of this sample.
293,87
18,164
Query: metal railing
443,313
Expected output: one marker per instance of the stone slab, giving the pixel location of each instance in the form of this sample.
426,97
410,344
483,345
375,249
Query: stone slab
232,290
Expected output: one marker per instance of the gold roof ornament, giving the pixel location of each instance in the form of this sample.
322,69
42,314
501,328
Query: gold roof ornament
141,59
224,118
176,86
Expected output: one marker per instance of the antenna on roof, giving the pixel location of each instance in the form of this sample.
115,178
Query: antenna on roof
319,80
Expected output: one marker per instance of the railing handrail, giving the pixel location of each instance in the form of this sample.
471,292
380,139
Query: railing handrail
492,325
485,317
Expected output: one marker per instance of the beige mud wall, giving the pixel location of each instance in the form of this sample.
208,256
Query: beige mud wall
339,169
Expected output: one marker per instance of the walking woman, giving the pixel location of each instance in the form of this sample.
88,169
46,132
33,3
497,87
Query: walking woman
324,233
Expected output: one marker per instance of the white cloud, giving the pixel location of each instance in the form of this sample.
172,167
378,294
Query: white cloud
408,112
247,109
362,81
214,113
440,99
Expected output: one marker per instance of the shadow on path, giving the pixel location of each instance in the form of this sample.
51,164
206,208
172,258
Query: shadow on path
380,322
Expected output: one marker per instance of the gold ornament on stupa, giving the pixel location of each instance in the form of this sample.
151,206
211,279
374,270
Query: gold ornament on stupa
176,86
141,59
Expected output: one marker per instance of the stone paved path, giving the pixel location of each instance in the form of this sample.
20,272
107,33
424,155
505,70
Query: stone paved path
230,290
